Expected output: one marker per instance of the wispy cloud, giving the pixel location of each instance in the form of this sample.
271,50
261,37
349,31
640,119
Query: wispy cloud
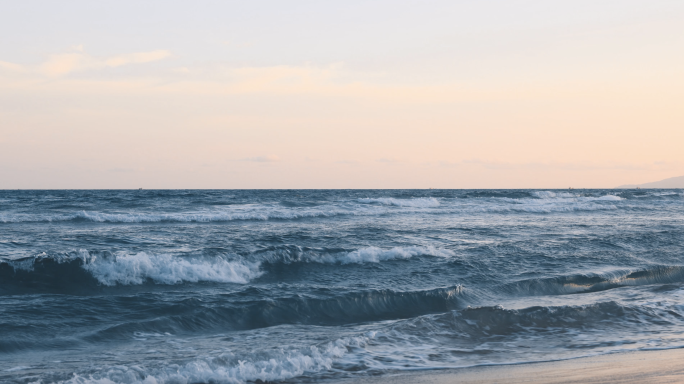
11,67
78,60
334,80
65,63
263,159
566,166
348,162
388,160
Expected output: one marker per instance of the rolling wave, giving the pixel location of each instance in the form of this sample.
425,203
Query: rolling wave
580,283
83,269
166,269
249,309
235,212
542,206
324,308
218,215
569,195
489,322
420,202
535,202
479,332
262,366
295,254
210,216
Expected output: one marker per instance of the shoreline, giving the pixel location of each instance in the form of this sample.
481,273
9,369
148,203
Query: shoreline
654,366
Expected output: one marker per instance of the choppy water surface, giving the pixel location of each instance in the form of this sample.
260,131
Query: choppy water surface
239,286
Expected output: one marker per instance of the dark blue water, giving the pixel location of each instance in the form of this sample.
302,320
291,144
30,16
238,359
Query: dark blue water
239,286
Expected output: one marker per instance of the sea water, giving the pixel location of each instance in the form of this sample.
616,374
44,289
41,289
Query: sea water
234,286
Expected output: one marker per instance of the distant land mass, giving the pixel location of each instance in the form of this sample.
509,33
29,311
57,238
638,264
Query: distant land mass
672,182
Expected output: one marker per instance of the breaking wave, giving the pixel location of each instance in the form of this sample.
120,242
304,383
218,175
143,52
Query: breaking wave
481,333
264,366
420,202
324,308
582,283
83,268
166,269
296,254
535,202
204,217
568,195
543,206
259,213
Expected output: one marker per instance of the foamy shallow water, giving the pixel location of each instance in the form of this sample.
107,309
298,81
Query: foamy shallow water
239,286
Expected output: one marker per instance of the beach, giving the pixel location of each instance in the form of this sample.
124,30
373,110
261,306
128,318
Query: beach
663,366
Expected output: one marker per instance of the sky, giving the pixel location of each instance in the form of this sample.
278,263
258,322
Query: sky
346,94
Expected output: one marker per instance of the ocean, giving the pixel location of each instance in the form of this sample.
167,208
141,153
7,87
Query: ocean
236,286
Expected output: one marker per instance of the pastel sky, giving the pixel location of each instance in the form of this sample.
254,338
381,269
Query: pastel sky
345,94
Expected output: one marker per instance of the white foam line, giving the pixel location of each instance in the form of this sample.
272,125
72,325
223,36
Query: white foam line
420,202
280,364
376,255
166,269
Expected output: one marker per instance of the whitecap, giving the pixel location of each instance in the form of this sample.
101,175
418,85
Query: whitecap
560,196
358,256
231,213
274,365
420,202
552,195
127,269
19,368
376,255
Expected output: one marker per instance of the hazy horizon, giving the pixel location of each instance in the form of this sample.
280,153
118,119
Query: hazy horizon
229,95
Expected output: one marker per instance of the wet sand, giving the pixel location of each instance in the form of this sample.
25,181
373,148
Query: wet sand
630,367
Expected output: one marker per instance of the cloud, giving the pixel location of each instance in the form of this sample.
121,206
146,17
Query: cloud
333,81
181,70
78,60
566,166
11,67
62,64
137,58
388,160
263,159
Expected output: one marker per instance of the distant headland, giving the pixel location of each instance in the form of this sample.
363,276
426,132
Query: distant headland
672,182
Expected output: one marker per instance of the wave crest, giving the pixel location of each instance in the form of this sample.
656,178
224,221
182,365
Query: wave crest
80,270
562,285
294,254
166,269
83,269
419,202
567,195
263,366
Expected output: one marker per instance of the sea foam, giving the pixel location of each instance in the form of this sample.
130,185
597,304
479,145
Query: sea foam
127,269
294,254
420,202
206,216
577,197
274,365
376,255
